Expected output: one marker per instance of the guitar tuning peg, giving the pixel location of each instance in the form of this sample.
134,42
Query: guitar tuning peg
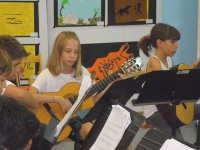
97,78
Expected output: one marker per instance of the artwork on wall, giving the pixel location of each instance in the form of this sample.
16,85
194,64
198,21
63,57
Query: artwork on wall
130,12
107,58
19,18
29,69
79,13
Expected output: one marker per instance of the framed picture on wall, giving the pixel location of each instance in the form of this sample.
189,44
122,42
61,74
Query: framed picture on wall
19,18
70,13
131,12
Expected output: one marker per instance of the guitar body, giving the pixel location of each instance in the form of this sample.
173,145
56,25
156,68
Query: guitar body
184,112
183,116
69,90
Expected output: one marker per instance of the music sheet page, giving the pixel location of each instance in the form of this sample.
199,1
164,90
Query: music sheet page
172,144
113,130
85,84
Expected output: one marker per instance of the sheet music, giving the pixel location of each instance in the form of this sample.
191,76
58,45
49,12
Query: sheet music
85,84
172,144
113,130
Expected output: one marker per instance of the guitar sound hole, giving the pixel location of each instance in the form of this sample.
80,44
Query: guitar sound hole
72,99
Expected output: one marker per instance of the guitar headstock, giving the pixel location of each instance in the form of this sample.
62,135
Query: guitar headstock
132,65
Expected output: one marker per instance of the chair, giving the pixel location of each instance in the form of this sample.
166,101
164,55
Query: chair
34,59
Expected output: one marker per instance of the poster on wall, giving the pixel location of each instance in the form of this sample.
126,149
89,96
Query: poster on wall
19,18
68,13
29,69
107,58
130,12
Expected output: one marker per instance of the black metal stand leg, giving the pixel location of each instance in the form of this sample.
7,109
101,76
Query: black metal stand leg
175,100
76,126
174,120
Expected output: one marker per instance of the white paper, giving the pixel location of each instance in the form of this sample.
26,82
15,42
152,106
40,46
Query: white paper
172,144
85,84
149,21
113,130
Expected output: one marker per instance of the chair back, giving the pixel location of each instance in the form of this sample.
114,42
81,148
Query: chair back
34,59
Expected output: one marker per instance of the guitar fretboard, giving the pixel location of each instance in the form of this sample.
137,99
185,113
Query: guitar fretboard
98,87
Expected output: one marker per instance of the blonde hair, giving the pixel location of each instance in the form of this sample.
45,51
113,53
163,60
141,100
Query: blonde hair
5,63
55,64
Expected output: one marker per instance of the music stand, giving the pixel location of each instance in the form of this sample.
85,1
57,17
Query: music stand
121,91
48,140
150,141
129,134
170,87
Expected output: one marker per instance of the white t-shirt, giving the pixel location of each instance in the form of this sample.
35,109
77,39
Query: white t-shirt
46,82
7,84
151,109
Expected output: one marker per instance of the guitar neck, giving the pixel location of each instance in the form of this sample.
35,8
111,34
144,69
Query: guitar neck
129,67
96,88
198,66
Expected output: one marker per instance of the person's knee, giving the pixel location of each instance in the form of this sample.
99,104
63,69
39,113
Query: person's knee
129,148
85,129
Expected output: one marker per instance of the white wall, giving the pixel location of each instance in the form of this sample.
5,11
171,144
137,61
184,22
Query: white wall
101,34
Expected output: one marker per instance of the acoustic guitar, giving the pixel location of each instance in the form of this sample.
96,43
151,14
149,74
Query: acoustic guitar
70,91
184,111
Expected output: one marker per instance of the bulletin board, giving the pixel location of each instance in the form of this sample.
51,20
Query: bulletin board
19,18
